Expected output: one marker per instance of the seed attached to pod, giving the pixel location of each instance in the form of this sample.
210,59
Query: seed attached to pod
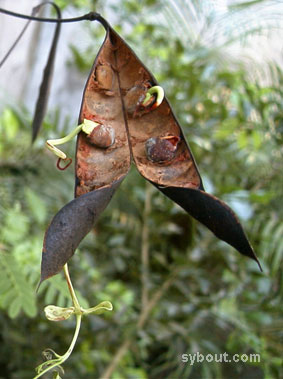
161,149
134,98
102,136
104,76
140,99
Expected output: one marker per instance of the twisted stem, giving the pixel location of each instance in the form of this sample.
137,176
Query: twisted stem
62,358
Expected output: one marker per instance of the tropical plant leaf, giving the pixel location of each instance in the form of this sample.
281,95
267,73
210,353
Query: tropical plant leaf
36,205
16,292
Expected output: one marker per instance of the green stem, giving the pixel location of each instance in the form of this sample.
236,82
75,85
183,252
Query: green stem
63,358
76,334
71,290
145,247
67,138
87,127
78,311
50,144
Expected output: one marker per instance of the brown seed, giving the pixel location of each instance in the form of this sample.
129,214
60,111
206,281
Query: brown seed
161,149
102,136
104,76
134,97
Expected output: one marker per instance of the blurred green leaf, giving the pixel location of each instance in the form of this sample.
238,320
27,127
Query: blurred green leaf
9,125
16,225
36,205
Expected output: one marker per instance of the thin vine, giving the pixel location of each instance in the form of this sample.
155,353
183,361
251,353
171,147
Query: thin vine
54,313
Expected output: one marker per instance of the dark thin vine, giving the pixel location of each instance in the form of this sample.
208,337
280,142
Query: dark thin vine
91,16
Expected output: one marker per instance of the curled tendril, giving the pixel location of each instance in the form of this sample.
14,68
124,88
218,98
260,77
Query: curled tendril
48,354
87,127
69,160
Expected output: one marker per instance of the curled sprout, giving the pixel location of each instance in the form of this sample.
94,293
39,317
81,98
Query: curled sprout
87,127
159,91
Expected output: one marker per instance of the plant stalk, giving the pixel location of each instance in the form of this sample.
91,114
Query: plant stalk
78,311
91,16
71,290
145,246
63,358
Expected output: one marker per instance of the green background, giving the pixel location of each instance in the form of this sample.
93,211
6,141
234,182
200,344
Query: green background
212,299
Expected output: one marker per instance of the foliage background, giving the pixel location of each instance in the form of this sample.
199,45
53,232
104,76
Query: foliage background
216,301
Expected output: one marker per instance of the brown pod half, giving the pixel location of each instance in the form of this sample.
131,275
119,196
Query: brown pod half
102,161
98,165
143,123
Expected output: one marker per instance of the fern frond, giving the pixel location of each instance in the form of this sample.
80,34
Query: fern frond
16,292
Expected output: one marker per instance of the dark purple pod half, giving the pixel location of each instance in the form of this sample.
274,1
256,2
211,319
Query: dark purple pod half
70,225
214,214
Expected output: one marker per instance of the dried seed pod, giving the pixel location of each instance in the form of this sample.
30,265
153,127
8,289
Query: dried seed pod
100,171
104,76
102,136
161,149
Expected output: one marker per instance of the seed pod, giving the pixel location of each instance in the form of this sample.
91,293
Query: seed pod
161,149
99,171
102,136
